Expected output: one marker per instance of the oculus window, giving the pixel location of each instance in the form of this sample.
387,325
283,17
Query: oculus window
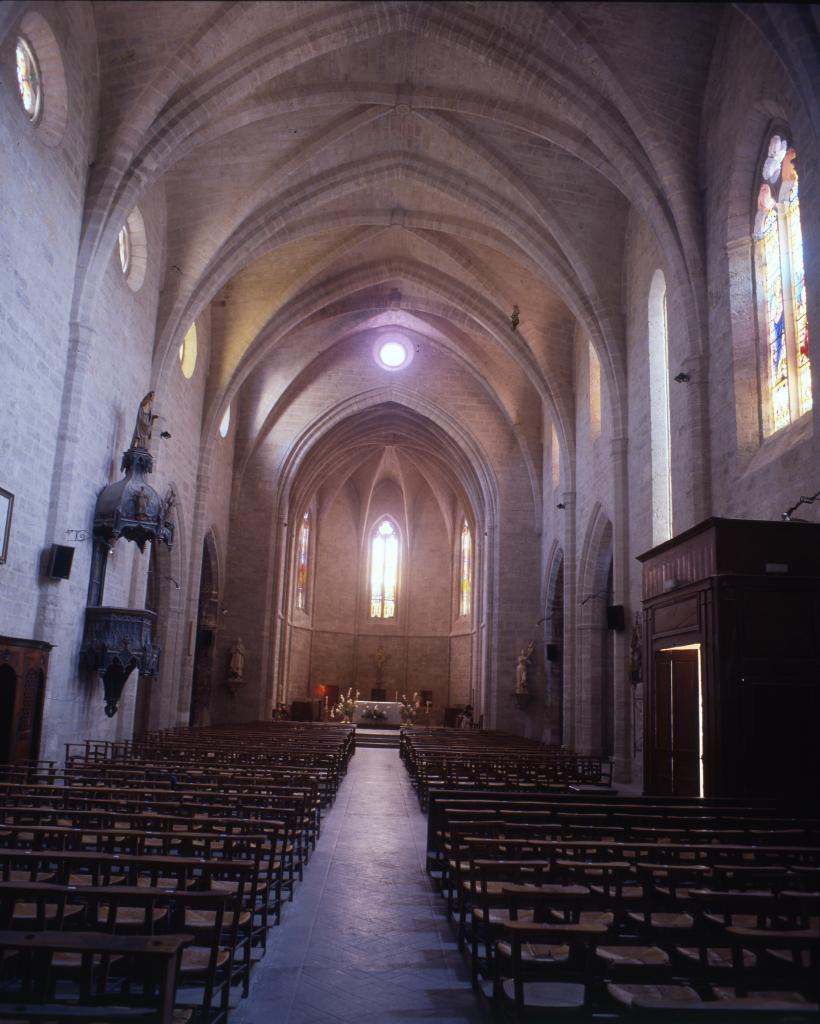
28,80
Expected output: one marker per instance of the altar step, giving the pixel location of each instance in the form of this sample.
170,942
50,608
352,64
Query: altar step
377,738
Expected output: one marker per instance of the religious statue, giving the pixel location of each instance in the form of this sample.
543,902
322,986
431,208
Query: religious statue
145,422
236,668
141,503
379,659
524,661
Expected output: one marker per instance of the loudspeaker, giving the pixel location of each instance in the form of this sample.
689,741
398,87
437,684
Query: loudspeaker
552,652
615,618
59,562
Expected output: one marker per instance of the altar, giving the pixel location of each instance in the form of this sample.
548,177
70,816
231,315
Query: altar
391,708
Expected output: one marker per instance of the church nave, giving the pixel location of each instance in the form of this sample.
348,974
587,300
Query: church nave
367,938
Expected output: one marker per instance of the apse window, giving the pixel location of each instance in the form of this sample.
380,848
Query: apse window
225,424
781,287
28,80
392,353
187,353
384,571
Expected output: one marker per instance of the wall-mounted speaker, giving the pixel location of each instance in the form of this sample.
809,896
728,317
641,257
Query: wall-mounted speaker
552,652
58,565
615,618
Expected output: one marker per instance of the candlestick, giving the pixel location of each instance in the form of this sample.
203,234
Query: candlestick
397,696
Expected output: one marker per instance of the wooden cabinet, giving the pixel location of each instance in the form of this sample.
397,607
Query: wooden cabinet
732,660
23,671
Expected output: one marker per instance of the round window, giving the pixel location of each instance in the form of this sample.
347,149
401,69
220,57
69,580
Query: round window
28,80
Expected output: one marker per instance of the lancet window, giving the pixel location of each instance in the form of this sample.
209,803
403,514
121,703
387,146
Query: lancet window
781,289
466,573
384,571
302,557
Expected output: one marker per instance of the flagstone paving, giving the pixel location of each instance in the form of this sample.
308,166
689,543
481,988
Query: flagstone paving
366,938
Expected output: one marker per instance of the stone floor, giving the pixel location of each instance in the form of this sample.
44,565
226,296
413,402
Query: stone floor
366,938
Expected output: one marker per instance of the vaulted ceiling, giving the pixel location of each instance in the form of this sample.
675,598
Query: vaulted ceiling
333,170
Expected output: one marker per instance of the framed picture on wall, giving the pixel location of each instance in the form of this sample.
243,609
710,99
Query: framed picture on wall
6,505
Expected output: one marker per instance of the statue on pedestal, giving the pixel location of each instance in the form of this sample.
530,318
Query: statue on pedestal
524,661
145,422
236,665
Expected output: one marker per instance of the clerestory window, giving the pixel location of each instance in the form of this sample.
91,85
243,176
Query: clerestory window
781,290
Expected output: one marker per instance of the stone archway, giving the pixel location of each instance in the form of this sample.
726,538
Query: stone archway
594,694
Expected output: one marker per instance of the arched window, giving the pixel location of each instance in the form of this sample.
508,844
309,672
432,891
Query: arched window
188,352
384,571
225,423
302,562
594,394
555,452
659,411
466,573
781,289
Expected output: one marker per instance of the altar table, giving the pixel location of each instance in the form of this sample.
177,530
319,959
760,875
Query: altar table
392,709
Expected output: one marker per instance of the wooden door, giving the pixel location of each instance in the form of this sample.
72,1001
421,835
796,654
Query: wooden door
21,714
675,726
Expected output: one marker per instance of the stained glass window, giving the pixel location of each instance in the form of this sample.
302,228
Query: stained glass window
466,575
782,282
302,562
801,320
384,571
28,80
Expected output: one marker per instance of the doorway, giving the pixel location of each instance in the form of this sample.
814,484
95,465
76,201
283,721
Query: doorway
8,694
678,722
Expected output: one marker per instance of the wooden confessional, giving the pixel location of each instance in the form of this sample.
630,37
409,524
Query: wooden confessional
731,625
23,671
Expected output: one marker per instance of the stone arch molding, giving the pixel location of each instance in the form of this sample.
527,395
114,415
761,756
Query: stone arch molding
481,314
163,120
472,469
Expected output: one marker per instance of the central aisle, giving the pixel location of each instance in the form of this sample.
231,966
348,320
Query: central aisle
366,938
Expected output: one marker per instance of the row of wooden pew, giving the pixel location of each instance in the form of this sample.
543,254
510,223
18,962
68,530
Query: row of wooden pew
444,757
138,881
587,904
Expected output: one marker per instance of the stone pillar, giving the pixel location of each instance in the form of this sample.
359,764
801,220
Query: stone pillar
621,688
570,643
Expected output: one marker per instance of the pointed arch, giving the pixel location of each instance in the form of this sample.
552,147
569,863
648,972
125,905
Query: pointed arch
593,694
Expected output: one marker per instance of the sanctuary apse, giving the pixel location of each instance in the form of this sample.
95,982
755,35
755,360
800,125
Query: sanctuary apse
450,311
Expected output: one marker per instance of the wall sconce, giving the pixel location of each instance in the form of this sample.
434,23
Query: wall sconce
561,505
682,378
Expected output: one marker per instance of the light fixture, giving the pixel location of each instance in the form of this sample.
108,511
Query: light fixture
682,378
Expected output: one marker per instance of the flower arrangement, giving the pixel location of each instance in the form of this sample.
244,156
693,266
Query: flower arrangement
374,714
346,706
409,708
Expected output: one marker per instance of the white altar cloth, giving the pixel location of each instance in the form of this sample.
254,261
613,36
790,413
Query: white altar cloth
391,708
